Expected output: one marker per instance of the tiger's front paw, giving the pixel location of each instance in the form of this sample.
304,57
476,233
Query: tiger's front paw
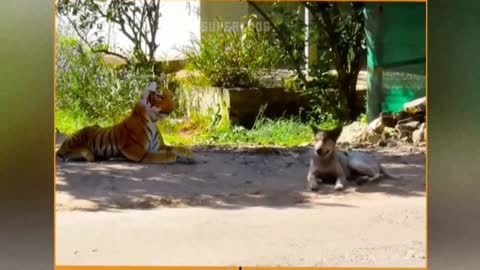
183,152
88,156
184,155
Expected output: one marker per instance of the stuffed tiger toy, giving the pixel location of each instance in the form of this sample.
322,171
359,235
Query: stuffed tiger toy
136,138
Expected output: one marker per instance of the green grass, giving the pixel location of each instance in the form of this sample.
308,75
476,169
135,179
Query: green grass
201,131
362,118
281,132
69,122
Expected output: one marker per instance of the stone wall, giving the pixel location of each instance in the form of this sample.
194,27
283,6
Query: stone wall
244,104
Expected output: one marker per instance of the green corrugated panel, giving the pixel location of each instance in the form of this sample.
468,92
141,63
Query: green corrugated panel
403,42
396,97
401,37
402,84
374,84
403,32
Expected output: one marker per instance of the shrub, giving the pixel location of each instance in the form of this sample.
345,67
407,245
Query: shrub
234,58
86,85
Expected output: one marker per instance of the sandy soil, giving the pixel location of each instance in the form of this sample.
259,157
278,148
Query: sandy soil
239,208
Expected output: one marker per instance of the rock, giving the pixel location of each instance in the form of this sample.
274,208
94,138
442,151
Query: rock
425,135
403,117
416,105
374,138
403,133
388,132
354,133
418,135
410,126
405,130
422,126
388,119
376,126
383,143
406,139
391,143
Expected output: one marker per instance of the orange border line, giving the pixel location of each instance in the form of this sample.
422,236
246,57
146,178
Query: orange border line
54,133
144,268
222,268
60,267
330,268
426,129
365,1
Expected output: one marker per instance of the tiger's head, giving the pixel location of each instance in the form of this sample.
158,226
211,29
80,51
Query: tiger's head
158,102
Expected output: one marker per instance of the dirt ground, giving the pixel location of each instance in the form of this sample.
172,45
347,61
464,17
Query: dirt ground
247,208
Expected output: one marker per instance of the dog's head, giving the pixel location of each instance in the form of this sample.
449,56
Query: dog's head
325,140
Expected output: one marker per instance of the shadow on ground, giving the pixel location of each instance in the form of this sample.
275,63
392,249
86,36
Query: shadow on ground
230,180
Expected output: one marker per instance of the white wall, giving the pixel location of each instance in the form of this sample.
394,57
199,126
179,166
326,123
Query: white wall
180,21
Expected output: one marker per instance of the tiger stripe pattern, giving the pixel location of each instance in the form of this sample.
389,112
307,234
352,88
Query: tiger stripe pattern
136,138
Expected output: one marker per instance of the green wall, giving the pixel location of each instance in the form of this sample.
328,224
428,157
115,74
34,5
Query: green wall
396,46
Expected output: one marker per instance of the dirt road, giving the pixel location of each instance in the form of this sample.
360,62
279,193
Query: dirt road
233,208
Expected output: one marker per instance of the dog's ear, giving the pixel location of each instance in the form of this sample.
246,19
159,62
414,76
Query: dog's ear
314,128
335,133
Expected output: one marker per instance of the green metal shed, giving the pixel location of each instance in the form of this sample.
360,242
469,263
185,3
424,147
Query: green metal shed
396,55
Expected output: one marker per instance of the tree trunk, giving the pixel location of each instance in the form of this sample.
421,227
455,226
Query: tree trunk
347,87
352,98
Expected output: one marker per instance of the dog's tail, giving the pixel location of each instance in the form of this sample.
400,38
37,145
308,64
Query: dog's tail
387,174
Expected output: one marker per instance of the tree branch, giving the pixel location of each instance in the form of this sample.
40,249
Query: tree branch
80,34
332,37
138,22
284,39
106,51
